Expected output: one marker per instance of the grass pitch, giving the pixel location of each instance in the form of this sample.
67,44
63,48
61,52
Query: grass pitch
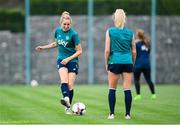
40,105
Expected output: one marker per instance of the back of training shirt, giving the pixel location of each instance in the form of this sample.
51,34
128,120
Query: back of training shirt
143,56
120,46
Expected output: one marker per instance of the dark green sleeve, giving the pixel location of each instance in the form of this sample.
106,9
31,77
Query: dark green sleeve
76,39
55,35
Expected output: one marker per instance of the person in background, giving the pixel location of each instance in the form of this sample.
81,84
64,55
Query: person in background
69,48
142,64
120,54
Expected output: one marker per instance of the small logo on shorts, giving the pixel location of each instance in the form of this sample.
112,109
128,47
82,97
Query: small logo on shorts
74,69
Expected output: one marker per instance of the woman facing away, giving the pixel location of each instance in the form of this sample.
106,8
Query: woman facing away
142,64
69,48
120,54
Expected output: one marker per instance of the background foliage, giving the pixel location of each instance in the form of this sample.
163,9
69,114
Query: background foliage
12,11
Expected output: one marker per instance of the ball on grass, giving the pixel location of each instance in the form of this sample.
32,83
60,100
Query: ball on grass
34,83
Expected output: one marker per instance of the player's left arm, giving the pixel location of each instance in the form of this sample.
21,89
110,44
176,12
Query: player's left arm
134,49
75,55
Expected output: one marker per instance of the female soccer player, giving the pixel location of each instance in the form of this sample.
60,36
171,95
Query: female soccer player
120,52
142,63
69,48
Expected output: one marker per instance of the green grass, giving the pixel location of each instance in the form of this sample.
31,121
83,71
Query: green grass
40,105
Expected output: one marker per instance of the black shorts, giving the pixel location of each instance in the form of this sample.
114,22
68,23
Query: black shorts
120,68
71,66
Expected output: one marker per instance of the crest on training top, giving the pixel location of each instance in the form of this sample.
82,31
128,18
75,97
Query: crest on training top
67,37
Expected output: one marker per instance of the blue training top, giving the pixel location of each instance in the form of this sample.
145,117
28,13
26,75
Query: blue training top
120,45
66,42
143,56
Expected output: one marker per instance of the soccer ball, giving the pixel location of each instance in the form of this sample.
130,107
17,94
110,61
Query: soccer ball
79,108
34,83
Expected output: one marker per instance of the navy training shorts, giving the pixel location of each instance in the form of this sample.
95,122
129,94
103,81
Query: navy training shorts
120,68
71,66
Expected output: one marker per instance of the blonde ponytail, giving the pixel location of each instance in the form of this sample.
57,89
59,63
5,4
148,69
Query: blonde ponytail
119,18
65,15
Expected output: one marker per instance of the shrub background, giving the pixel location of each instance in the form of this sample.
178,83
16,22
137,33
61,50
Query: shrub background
12,11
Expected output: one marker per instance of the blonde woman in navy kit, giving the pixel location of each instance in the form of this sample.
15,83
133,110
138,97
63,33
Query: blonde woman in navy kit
69,48
120,54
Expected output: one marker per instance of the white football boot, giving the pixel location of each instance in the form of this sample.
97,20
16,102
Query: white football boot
127,117
67,111
65,102
111,116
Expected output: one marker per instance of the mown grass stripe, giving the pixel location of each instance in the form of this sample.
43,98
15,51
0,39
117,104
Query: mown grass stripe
40,105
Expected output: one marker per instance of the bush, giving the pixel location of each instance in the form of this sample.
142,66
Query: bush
12,20
104,7
101,7
54,7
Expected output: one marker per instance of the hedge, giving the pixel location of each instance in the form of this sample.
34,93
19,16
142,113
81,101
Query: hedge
104,7
101,7
14,19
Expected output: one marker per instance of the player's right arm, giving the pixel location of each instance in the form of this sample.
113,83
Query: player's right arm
49,46
107,49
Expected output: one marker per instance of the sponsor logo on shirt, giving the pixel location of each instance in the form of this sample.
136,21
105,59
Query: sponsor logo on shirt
62,42
144,48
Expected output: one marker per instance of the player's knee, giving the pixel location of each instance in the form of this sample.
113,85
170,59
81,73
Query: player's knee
64,80
127,86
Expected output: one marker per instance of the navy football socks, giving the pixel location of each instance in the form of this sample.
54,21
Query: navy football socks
112,100
151,87
65,89
137,86
71,93
128,101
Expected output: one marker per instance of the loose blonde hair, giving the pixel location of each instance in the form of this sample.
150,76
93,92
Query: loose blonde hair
119,18
65,15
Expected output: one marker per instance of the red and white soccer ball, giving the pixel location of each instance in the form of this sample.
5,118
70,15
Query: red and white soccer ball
79,108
